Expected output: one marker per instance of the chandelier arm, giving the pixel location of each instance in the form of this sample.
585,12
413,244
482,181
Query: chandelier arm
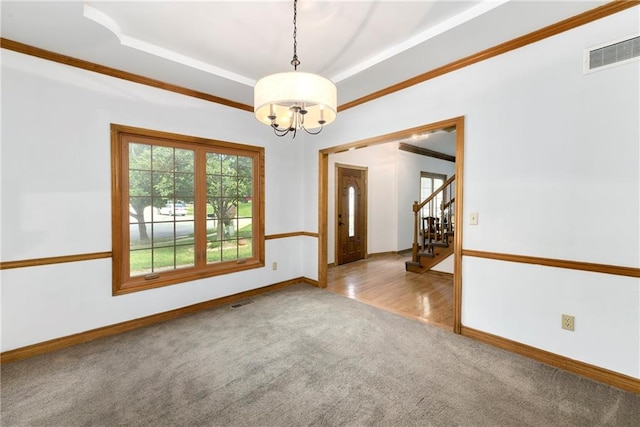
313,133
280,132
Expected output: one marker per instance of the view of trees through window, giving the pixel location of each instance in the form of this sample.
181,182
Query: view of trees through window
190,206
229,197
159,178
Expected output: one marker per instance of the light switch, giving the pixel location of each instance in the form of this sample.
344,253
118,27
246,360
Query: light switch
473,218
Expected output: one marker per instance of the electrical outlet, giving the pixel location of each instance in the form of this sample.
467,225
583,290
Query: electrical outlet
568,322
473,218
274,266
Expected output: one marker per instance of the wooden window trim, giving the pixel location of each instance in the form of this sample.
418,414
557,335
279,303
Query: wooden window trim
434,175
121,282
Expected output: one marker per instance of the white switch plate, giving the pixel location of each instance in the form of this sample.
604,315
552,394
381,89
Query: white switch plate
274,266
473,218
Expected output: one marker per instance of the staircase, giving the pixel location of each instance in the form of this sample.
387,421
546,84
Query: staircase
433,228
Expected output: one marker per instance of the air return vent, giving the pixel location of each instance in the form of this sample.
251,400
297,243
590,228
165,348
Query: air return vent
239,304
610,54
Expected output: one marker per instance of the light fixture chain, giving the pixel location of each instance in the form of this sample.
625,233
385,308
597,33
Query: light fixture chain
295,62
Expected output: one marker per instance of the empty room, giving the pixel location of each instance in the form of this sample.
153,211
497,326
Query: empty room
320,213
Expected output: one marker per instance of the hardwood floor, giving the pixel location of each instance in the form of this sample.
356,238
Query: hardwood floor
381,281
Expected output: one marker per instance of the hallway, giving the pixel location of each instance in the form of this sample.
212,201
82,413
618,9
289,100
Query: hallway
381,281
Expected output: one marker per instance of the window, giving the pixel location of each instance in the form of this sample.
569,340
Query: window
430,182
184,208
352,211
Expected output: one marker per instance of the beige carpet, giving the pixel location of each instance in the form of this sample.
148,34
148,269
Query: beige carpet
295,357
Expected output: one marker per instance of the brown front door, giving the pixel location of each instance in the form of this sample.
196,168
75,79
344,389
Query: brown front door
351,224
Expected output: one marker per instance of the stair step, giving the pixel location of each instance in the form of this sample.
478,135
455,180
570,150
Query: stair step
426,254
439,244
414,267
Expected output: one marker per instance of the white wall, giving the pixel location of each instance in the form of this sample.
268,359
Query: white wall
526,302
56,196
309,218
447,265
546,149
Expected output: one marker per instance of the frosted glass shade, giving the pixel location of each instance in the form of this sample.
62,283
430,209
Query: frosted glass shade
274,94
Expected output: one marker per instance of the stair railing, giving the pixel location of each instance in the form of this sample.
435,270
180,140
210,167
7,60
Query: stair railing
433,221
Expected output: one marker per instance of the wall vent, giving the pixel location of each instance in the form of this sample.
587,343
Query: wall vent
239,304
611,54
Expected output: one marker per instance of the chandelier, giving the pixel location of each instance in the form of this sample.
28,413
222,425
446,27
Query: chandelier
295,100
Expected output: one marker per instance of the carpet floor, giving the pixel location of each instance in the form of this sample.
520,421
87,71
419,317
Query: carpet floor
300,356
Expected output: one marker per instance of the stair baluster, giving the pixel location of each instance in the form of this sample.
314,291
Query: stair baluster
436,228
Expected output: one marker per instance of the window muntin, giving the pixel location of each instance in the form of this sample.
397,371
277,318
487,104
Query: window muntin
184,208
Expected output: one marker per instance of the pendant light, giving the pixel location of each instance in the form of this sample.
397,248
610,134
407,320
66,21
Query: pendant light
294,100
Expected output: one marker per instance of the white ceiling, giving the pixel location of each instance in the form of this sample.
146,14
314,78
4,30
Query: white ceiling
441,141
223,47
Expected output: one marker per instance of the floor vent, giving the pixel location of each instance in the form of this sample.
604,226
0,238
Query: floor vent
241,303
613,53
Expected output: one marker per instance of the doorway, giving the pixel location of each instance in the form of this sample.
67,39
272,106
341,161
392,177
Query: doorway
323,197
351,213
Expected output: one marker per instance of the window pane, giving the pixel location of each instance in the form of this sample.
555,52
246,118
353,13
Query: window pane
139,182
229,164
162,158
185,256
139,235
139,156
230,209
245,166
169,258
426,187
214,186
213,163
184,160
245,248
352,212
229,251
245,208
163,259
245,187
245,228
214,254
187,208
229,186
138,205
230,227
140,262
164,234
184,183
163,185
